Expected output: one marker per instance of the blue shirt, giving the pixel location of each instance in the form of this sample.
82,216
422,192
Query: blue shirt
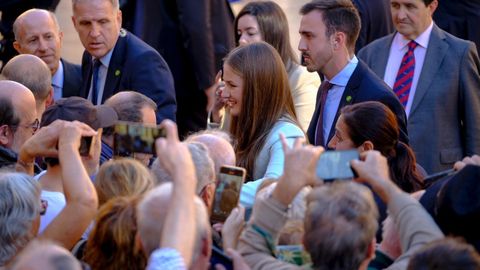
335,94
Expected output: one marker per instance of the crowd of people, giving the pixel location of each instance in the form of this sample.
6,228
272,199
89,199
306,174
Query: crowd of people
409,105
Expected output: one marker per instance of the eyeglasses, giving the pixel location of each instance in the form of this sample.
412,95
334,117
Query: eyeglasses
34,126
44,206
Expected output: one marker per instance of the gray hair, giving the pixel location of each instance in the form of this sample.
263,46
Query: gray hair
115,3
204,167
151,213
340,224
18,21
128,105
32,72
19,206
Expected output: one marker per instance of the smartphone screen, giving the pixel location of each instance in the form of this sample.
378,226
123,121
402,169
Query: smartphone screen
85,146
227,192
333,165
129,138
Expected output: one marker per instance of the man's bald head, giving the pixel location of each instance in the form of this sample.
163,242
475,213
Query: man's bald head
220,150
37,32
39,255
151,213
33,73
23,103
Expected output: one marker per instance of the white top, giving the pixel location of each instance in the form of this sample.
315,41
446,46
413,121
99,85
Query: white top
56,203
102,77
304,86
57,82
270,159
335,94
397,51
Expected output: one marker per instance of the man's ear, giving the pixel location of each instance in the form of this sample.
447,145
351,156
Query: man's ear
50,100
17,46
207,195
5,135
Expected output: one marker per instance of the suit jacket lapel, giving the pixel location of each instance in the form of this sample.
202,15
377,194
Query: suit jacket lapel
86,74
436,51
115,68
382,54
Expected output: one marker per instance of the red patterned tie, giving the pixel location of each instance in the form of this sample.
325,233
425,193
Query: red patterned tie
404,79
324,88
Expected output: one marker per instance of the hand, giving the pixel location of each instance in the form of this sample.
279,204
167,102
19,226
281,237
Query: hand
372,168
233,227
238,261
92,162
220,101
473,160
299,169
71,134
212,91
172,154
43,143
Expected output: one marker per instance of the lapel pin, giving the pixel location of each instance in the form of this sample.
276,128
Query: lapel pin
348,99
117,72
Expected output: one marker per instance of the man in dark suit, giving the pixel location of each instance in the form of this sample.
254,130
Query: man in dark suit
116,60
37,32
327,47
376,21
441,96
193,37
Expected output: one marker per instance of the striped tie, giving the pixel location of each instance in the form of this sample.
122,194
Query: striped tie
404,79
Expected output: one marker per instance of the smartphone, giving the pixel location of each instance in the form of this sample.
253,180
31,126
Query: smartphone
227,192
130,138
85,146
333,165
219,257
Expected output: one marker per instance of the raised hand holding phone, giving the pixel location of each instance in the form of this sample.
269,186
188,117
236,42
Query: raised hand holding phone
299,169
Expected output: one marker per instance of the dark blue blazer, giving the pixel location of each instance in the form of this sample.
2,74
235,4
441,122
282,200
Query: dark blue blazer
72,79
138,67
362,86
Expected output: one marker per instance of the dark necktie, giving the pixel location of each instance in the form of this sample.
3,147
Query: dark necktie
96,68
403,82
324,88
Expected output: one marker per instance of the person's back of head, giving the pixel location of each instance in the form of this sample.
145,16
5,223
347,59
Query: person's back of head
32,72
20,209
151,217
123,177
340,226
111,243
374,122
130,106
447,253
338,16
219,145
204,167
43,254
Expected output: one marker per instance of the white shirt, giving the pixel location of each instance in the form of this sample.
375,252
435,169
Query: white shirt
102,77
397,51
57,82
335,94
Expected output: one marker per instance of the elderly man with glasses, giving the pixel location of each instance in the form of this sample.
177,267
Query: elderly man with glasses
18,120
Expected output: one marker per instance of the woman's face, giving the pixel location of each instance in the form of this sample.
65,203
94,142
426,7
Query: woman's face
233,91
341,140
248,30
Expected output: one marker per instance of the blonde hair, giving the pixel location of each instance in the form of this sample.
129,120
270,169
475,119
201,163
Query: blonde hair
123,177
